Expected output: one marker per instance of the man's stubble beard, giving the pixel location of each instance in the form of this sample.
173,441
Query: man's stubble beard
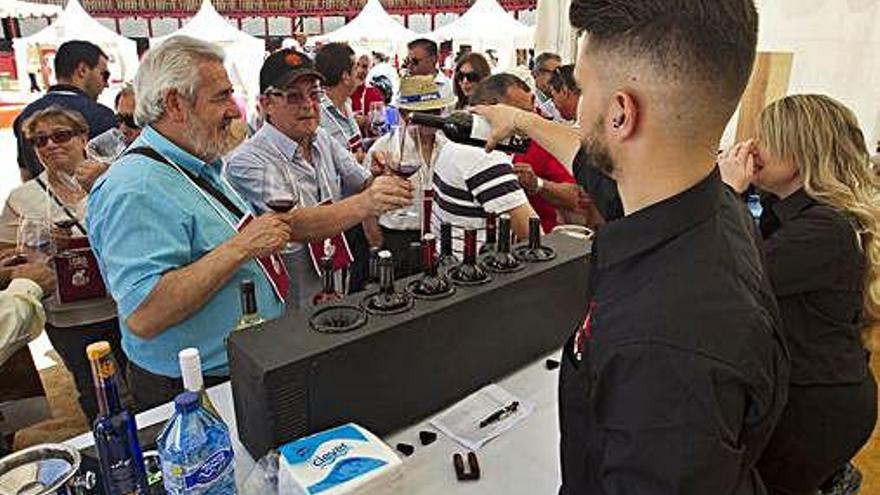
597,150
211,143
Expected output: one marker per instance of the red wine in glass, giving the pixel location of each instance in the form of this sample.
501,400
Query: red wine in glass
280,205
406,170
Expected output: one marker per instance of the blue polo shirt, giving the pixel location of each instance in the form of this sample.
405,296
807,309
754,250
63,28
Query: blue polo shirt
146,219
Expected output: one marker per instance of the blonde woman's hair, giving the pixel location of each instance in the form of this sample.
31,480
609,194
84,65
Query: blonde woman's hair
822,138
56,115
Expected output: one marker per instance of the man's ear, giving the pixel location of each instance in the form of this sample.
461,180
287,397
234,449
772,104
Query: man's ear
623,116
175,106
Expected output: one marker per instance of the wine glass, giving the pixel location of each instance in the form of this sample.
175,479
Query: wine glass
404,158
280,192
34,240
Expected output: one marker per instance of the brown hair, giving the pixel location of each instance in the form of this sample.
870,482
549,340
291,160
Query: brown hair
823,139
56,115
706,47
480,66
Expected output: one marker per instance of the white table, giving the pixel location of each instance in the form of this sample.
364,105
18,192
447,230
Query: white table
524,460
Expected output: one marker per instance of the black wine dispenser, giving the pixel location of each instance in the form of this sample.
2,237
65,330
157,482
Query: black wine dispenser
289,380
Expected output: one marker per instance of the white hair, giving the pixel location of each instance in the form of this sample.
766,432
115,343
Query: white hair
173,65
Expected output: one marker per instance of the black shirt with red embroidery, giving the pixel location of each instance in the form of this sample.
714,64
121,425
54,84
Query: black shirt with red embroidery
680,371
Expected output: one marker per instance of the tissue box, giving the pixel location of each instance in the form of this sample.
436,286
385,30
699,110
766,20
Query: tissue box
345,459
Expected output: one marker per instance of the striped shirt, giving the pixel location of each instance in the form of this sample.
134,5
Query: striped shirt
468,183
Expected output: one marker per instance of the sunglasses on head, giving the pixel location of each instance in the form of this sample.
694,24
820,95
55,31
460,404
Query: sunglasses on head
470,76
127,119
57,137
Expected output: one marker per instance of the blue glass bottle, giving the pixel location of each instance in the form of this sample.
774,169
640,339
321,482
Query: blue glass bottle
115,430
196,451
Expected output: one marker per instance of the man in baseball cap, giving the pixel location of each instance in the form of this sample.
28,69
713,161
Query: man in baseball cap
291,158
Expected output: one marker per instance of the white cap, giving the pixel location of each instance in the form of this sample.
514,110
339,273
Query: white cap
191,369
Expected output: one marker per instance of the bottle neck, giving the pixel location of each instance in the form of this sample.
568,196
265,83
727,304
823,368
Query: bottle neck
429,257
327,275
386,276
534,233
504,235
248,302
428,120
491,233
446,240
470,246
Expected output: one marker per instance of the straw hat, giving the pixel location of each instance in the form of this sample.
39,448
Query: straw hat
418,93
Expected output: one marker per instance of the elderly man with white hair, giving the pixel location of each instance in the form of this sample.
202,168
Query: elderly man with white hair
173,239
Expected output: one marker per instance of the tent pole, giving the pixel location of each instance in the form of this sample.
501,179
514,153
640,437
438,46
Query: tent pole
265,25
150,27
118,29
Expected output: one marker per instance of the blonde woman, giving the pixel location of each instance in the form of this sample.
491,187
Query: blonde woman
59,138
821,230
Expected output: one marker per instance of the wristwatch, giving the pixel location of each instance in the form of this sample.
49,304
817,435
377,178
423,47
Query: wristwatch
539,184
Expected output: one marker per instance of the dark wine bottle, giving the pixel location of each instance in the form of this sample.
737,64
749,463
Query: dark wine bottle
447,259
470,129
373,270
414,258
501,260
534,252
469,272
491,235
115,428
328,293
388,300
427,208
433,284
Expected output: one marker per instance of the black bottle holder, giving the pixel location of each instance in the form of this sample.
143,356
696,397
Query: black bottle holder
338,319
534,252
431,288
497,262
387,303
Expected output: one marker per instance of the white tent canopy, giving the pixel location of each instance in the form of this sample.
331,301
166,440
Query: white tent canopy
244,53
554,33
74,23
18,9
487,26
372,29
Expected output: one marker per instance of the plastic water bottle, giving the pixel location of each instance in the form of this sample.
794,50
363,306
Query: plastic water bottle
196,452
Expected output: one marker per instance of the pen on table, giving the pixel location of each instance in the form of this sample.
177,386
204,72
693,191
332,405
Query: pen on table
499,414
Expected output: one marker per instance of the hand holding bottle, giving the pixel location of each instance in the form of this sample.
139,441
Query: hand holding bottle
266,234
502,119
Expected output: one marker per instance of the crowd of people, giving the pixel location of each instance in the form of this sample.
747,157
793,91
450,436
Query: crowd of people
720,351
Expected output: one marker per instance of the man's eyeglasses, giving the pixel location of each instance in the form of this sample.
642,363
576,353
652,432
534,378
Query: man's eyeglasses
106,75
127,119
57,137
296,98
473,77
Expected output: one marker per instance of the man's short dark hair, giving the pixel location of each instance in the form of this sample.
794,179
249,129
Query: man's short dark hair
426,44
71,53
705,45
333,60
563,78
493,90
542,59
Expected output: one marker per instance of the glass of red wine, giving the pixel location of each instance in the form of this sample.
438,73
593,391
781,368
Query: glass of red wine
281,192
404,158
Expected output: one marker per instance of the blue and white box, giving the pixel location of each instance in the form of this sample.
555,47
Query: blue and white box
343,460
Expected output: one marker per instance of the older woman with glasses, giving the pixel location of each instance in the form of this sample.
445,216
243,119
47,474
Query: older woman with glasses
55,202
470,70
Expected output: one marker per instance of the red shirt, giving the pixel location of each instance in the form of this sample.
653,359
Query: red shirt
363,97
549,169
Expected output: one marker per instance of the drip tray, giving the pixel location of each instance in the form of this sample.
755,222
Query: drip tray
387,304
442,288
338,319
534,255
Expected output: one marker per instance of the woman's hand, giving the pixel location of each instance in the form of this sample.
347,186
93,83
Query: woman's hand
737,165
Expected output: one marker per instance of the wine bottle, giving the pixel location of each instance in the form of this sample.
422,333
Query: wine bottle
433,284
250,316
469,272
191,374
447,259
491,235
115,429
470,129
414,258
388,300
372,270
501,260
328,294
533,251
427,209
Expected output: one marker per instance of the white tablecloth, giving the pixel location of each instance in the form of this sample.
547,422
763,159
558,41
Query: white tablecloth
524,460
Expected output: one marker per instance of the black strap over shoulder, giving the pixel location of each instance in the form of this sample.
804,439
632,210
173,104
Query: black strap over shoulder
199,181
64,208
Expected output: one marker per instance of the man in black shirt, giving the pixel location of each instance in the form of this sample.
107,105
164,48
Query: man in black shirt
676,379
81,71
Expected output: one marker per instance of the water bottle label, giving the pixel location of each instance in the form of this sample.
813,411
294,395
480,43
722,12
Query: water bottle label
214,468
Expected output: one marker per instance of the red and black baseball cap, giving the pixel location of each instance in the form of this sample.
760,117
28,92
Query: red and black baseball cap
285,66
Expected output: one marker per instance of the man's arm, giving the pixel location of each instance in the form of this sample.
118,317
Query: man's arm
562,141
21,316
560,195
182,292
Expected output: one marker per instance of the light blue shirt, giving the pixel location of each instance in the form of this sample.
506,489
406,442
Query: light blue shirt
146,219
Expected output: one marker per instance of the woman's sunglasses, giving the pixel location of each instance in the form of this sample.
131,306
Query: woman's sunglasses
473,77
57,137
